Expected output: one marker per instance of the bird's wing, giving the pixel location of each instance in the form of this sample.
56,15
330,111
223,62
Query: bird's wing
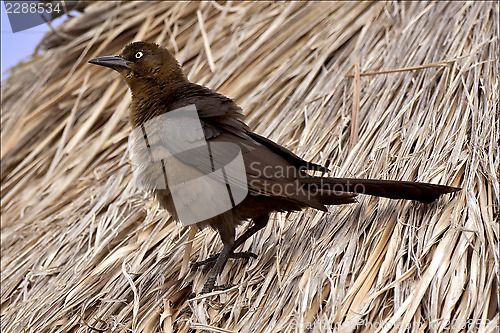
287,154
220,111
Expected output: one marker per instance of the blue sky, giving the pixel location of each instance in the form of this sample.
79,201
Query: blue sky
17,46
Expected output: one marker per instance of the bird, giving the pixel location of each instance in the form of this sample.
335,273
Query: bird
274,178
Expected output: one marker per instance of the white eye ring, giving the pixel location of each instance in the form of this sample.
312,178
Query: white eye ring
138,54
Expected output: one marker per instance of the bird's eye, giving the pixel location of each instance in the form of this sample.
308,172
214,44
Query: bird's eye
138,55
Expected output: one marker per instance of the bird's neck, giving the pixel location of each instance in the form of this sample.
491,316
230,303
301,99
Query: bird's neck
149,100
146,104
140,84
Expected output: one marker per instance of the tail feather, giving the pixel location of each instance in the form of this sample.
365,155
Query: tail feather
335,198
423,192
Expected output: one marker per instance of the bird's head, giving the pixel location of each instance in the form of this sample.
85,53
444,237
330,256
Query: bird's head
144,61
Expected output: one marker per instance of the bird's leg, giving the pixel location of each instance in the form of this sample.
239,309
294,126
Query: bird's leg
258,224
227,237
209,262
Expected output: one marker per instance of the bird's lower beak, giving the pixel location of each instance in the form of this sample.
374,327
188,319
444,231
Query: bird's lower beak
114,62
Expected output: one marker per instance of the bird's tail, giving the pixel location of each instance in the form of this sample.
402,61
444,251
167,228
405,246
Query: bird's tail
422,192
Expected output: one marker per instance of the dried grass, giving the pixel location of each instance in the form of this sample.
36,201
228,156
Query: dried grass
83,250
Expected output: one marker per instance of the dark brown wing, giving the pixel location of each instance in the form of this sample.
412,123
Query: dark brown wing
287,154
222,113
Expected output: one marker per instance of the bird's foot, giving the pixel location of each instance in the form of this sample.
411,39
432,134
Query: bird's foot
207,288
208,263
210,286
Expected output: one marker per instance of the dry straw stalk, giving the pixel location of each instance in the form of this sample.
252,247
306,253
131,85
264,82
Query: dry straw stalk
83,250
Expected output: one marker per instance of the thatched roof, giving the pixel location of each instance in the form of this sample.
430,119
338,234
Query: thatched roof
83,249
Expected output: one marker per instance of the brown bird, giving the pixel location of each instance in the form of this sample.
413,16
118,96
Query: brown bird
275,178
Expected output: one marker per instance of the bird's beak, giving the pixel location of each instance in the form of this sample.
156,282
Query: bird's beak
114,62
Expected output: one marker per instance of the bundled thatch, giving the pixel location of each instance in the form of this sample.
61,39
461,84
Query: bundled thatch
84,250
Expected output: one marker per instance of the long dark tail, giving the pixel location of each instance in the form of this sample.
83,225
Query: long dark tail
422,192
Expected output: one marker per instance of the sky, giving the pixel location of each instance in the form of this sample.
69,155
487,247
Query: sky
17,46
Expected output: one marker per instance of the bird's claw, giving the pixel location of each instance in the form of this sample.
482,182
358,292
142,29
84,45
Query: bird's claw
210,286
208,263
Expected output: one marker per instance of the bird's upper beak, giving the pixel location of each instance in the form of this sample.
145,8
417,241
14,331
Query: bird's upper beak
114,62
